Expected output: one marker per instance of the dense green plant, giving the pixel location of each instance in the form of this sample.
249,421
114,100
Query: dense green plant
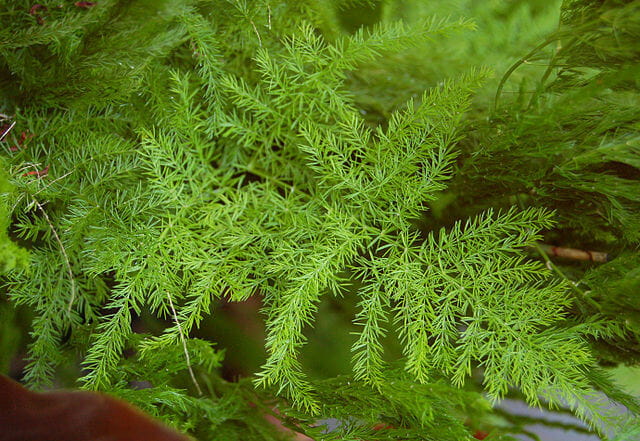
171,156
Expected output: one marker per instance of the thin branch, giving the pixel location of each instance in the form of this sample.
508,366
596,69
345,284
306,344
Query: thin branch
6,132
269,15
575,254
184,345
580,294
517,64
256,31
574,286
64,254
53,182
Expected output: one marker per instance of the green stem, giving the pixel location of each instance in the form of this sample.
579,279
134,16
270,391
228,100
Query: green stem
517,64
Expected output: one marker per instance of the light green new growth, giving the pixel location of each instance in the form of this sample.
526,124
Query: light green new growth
205,152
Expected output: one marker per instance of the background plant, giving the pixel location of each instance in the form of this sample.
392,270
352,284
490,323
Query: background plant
355,163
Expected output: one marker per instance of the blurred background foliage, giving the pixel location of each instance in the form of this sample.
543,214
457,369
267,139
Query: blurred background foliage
557,125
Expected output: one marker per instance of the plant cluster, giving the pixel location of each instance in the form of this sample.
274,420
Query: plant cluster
163,158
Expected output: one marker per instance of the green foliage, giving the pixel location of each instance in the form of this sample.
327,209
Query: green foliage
400,408
579,127
11,255
189,154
